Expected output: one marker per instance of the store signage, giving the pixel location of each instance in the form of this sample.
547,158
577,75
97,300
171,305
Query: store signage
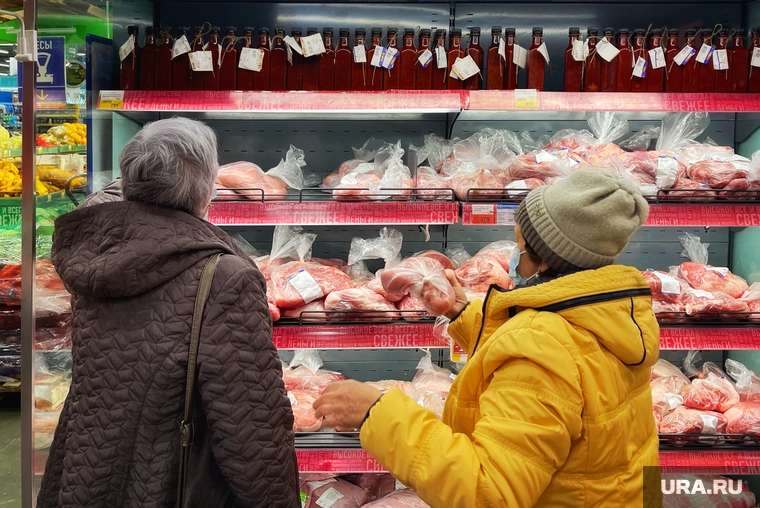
51,70
744,338
385,336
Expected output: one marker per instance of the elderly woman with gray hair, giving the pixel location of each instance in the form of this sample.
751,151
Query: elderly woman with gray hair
134,268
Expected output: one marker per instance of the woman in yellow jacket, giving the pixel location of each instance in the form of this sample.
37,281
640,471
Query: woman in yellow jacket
553,408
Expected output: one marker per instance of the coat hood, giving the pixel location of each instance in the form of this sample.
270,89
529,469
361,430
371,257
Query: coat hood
123,249
613,303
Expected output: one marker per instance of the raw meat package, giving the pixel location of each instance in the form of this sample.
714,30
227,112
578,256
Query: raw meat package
665,287
666,394
305,372
520,188
403,498
664,368
47,282
248,180
376,484
432,186
297,283
697,301
712,279
431,385
489,266
683,420
744,418
363,155
333,493
747,383
388,177
304,414
717,174
479,184
386,247
313,310
710,388
489,150
354,301
385,385
446,263
412,309
422,277
752,297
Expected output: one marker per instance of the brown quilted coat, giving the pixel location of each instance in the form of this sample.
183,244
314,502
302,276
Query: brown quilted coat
133,271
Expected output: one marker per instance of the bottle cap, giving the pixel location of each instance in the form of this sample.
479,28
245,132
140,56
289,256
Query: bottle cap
425,32
408,32
215,29
474,30
197,28
328,30
740,31
690,32
295,31
538,30
495,30
575,30
149,30
166,29
510,31
672,31
312,30
183,30
132,29
250,29
593,30
392,31
360,32
262,31
232,29
344,32
725,32
707,32
609,30
656,31
457,32
639,31
377,32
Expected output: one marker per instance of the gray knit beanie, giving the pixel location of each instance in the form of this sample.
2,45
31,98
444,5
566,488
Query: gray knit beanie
583,221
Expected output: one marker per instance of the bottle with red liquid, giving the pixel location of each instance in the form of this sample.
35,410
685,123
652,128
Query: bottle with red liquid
423,79
261,78
181,64
163,68
675,71
439,75
722,78
536,61
655,77
624,61
344,59
130,66
407,58
245,77
738,60
374,74
295,69
592,77
327,61
311,67
609,69
639,51
278,63
475,51
455,51
573,68
753,81
690,74
212,80
359,70
195,80
495,62
148,61
391,77
511,70
706,71
228,68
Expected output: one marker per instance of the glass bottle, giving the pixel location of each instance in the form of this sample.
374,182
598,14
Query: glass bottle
609,69
592,77
261,78
195,79
625,61
344,58
738,60
327,63
495,62
311,66
753,80
475,51
130,66
423,79
706,71
374,74
655,77
675,71
439,75
245,77
511,71
407,59
163,68
391,77
359,70
536,61
295,69
181,64
212,80
278,63
573,68
690,74
723,78
148,61
455,51
639,51
228,68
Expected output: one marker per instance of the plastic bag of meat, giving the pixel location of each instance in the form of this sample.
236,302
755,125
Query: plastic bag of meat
435,150
744,418
297,283
433,186
702,276
664,368
313,310
528,144
376,285
385,385
422,277
521,188
388,178
710,388
305,372
747,383
362,156
480,184
274,183
606,129
697,302
289,243
490,149
446,263
386,247
403,498
666,394
665,287
376,484
431,385
333,493
641,140
489,266
683,420
304,414
457,254
752,297
412,309
716,174
361,303
543,165
679,130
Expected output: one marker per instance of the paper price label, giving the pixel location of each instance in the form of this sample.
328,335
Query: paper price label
607,50
202,61
502,48
251,59
313,45
306,286
453,74
181,46
667,172
127,48
670,286
290,54
685,55
543,156
111,99
520,56
360,54
377,57
720,60
292,399
389,58
526,99
640,69
465,67
580,51
544,51
441,58
425,58
755,57
657,58
329,498
705,52
290,41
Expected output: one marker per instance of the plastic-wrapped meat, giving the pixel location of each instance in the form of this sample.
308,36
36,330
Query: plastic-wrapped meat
304,414
664,368
377,286
247,175
273,310
744,418
377,484
752,297
413,309
423,278
711,390
305,373
683,420
500,251
697,301
354,300
431,385
570,139
404,498
734,188
520,188
747,383
601,152
296,283
447,263
526,166
686,188
347,167
463,181
710,278
357,186
225,194
666,394
480,272
665,287
716,174
312,310
432,185
334,493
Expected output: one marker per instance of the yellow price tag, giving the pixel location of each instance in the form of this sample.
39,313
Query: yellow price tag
113,99
526,99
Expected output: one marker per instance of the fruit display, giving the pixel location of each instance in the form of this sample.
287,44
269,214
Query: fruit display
64,134
10,182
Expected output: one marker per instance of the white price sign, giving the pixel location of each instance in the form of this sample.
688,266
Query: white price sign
465,67
202,61
657,57
684,55
544,52
441,58
293,44
127,48
251,59
425,58
720,60
580,51
705,52
312,45
360,54
181,46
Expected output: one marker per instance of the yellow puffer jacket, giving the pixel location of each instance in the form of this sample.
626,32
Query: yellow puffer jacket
553,409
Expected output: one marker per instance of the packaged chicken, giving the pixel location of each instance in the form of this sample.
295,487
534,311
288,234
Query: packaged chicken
422,277
747,383
250,181
710,388
333,493
305,373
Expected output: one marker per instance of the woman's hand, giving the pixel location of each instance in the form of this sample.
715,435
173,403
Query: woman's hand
345,403
461,300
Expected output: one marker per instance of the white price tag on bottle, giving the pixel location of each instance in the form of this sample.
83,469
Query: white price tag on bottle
657,57
580,51
465,67
290,41
377,57
544,51
389,57
312,45
640,69
181,46
127,48
441,58
755,57
202,61
720,60
453,74
705,52
360,54
520,56
502,48
425,58
608,51
251,59
684,55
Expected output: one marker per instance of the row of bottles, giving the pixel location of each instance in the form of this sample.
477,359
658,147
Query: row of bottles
655,61
169,63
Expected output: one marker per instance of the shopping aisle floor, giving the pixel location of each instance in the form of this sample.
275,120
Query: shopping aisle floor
10,451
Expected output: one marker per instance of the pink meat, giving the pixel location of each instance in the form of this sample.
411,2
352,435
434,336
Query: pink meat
655,280
462,182
385,385
519,188
666,394
744,418
705,302
664,368
441,258
320,494
423,278
247,175
415,309
223,193
303,379
526,167
377,484
353,300
716,174
711,391
432,185
328,278
377,286
601,152
304,414
479,272
404,498
686,188
313,310
683,420
273,310
709,278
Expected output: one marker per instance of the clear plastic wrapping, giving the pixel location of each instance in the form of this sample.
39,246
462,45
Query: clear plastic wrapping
710,388
422,277
274,183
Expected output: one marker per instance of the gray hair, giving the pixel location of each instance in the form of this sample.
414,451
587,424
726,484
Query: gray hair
171,163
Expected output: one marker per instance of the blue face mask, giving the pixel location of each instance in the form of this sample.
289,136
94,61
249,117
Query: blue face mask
517,279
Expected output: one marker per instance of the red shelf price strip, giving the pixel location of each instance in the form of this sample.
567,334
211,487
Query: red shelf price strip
716,462
744,338
337,461
357,336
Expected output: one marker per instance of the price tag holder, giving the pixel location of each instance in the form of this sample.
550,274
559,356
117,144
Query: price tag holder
181,46
520,56
502,48
755,57
483,214
202,61
389,58
720,60
544,52
127,48
465,67
360,54
526,99
640,69
312,45
441,58
290,41
111,99
425,58
657,58
705,52
251,59
458,355
377,57
580,51
685,55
